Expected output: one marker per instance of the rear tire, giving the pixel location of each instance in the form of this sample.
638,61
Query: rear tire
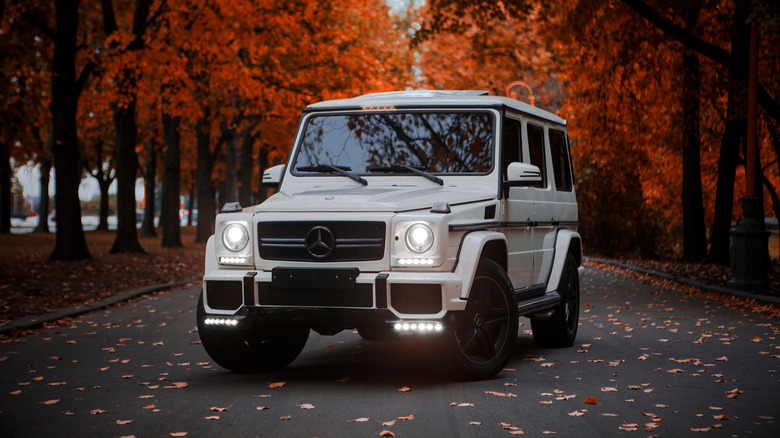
485,333
560,330
246,351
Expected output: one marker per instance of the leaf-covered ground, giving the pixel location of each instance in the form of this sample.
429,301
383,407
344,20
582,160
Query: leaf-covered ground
31,285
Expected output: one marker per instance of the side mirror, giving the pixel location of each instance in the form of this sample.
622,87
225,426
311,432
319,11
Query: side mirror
523,175
272,177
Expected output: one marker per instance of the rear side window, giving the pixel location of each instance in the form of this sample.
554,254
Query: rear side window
536,150
510,149
560,161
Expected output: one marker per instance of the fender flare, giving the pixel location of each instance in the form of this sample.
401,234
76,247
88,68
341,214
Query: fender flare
566,241
469,254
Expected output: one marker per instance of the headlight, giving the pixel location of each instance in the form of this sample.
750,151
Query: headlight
235,237
419,238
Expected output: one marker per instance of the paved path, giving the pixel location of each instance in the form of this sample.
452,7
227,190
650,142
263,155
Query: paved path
657,363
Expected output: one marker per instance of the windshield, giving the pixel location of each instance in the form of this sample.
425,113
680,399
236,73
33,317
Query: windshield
440,142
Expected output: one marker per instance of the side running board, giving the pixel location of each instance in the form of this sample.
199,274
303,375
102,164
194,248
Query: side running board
538,304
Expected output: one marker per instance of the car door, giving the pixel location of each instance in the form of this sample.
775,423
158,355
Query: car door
518,210
544,204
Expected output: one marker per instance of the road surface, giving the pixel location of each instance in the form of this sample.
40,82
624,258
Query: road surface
648,361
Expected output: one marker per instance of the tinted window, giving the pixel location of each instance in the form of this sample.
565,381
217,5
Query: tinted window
510,149
442,142
536,150
559,155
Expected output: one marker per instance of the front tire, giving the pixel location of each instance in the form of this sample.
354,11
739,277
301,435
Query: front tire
485,333
246,351
560,330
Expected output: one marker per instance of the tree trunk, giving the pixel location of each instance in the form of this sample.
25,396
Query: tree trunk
191,205
150,176
262,192
205,166
126,171
43,203
70,243
104,183
247,167
694,236
5,189
230,192
736,111
169,210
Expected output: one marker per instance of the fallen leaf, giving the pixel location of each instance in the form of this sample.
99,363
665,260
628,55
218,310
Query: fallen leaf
721,417
609,389
475,423
17,392
180,384
213,417
98,411
216,409
500,394
734,393
276,385
179,433
722,359
360,420
408,417
149,407
405,389
590,401
344,380
701,429
262,408
51,402
389,423
306,406
121,422
633,427
675,370
462,405
285,418
386,433
548,364
576,414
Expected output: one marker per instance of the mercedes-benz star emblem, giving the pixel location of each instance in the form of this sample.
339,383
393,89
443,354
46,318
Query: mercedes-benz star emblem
320,242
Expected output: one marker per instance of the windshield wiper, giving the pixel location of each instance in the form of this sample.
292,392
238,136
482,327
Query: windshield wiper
329,168
399,168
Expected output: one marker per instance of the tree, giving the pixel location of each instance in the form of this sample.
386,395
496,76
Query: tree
70,243
169,212
125,75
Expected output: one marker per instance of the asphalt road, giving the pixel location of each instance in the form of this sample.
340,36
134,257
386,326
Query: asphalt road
656,361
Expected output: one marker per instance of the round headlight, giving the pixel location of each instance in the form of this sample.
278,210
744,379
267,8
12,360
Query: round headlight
419,238
235,237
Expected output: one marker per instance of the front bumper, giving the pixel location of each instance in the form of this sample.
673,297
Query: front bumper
333,294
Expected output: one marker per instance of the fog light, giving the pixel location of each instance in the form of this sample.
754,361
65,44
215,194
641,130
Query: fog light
232,260
221,321
418,327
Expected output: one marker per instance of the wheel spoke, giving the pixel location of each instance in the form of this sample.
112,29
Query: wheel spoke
487,343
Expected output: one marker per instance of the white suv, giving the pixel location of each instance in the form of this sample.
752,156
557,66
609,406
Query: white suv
442,215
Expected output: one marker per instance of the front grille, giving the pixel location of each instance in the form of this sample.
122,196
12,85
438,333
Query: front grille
321,241
224,295
416,299
362,295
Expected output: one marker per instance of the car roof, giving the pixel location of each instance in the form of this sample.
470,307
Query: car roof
433,98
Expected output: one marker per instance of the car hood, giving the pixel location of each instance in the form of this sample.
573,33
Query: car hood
374,199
